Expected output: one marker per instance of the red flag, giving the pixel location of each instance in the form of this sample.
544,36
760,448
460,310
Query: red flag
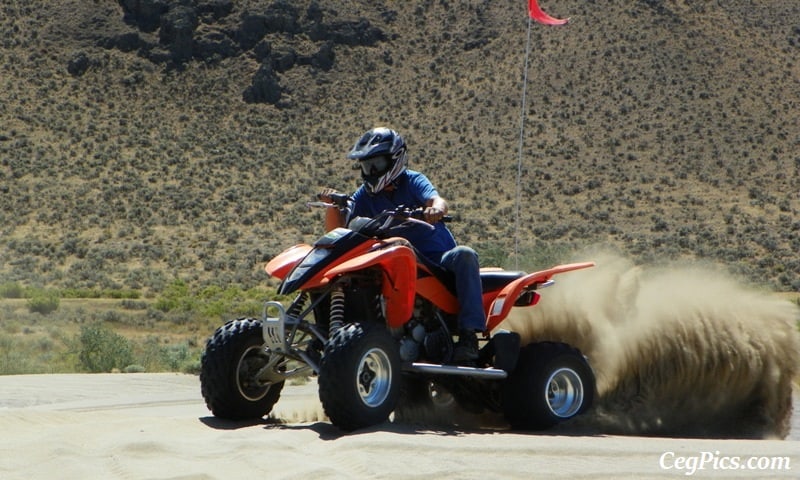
538,14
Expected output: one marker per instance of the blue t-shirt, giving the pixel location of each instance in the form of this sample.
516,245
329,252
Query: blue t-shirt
412,190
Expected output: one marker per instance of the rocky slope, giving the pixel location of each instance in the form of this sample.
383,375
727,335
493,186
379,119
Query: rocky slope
142,140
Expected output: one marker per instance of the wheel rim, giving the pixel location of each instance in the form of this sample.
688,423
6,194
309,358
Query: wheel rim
564,393
250,363
440,396
374,379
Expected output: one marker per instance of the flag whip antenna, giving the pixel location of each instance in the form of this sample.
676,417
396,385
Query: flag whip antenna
523,103
534,13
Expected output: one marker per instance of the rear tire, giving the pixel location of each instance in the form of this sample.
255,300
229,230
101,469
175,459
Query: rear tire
233,355
359,378
551,383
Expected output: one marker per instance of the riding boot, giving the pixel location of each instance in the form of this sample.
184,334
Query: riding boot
466,349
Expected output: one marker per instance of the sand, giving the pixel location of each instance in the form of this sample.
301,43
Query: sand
156,426
696,377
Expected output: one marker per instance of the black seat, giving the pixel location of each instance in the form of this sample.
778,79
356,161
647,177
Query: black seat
495,280
490,280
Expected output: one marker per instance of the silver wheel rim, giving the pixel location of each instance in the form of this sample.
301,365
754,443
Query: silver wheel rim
374,378
564,393
250,363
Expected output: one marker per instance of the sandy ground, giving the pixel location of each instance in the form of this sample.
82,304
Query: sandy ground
156,426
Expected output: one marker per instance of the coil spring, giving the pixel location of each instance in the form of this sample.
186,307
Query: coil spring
297,305
337,311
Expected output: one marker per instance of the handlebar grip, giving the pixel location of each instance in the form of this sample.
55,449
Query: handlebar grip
419,215
340,199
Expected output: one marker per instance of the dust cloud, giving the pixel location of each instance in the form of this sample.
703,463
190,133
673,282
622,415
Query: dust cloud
678,350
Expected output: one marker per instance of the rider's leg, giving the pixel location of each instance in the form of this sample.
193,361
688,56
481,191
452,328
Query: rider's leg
463,262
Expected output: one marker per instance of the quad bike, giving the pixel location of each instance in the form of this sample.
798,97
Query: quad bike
373,320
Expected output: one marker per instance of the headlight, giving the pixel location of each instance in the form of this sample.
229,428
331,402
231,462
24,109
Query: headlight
314,256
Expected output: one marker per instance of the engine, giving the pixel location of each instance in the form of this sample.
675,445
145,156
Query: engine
426,337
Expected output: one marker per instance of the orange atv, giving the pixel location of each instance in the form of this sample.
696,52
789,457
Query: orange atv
375,321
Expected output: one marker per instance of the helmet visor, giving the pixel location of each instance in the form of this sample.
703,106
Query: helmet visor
377,165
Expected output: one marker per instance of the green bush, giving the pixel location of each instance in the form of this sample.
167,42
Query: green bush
101,350
170,357
212,301
43,302
174,297
12,290
128,304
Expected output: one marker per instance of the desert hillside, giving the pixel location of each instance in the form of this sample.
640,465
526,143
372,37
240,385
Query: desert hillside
146,140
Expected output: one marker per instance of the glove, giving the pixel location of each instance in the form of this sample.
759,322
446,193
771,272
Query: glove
433,215
325,194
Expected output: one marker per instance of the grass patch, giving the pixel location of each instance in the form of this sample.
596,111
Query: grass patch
58,331
12,290
87,333
213,301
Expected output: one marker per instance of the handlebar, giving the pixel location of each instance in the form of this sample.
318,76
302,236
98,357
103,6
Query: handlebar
405,216
412,215
419,214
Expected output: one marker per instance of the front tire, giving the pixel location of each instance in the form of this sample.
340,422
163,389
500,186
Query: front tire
551,383
233,356
359,378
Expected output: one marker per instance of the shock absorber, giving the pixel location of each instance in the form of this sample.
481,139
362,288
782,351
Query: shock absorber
297,306
337,310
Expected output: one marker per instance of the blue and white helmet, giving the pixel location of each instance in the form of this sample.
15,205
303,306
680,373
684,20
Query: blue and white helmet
381,156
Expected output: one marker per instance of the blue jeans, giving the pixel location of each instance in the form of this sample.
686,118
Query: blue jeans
463,263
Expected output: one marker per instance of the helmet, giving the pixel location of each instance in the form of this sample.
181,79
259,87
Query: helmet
381,155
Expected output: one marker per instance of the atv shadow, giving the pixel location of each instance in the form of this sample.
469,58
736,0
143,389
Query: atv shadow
442,422
222,424
327,431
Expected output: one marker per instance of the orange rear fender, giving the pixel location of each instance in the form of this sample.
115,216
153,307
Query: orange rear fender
502,304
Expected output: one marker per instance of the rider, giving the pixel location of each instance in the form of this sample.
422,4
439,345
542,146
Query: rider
388,184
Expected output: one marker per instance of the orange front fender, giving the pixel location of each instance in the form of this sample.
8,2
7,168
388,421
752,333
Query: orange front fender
399,266
510,293
280,266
